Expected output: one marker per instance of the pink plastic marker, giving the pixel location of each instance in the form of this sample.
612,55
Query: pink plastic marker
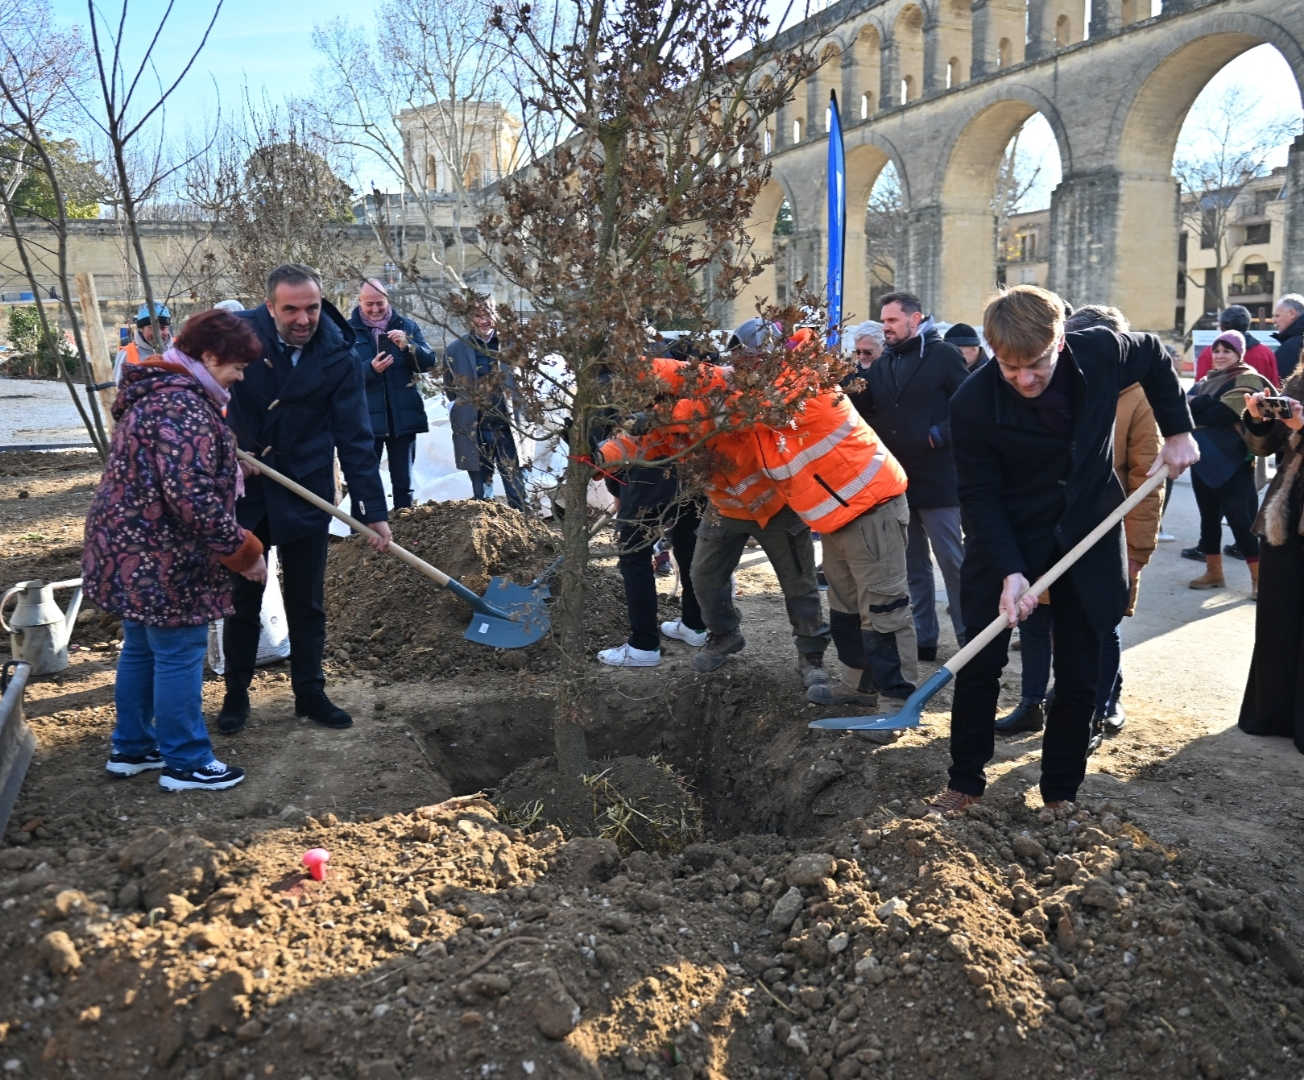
315,859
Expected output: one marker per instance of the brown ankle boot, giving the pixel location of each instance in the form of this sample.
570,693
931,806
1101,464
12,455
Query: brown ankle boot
1212,578
1254,580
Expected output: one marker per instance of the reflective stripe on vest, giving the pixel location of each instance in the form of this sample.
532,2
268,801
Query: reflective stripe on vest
743,485
845,493
813,452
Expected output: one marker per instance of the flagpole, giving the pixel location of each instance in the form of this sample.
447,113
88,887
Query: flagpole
837,218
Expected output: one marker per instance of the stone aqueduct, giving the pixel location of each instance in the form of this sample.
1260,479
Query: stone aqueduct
1115,93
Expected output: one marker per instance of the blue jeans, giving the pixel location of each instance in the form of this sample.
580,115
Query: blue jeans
159,694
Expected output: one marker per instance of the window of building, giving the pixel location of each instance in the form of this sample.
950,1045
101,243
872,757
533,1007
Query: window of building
953,72
1004,53
1028,275
866,105
1062,31
769,140
796,131
1027,247
907,89
1258,234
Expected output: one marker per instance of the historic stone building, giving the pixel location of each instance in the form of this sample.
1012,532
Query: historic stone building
938,87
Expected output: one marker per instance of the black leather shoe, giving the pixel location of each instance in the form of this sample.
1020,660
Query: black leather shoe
321,710
928,653
234,714
1233,552
1114,718
1026,716
1193,553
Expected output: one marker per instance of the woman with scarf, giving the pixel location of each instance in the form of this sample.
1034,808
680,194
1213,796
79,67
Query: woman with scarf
160,537
393,354
1223,478
1274,694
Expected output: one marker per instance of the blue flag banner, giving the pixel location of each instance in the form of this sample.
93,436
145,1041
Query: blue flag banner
837,233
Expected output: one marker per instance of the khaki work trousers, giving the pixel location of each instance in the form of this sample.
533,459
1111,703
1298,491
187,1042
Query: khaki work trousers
865,564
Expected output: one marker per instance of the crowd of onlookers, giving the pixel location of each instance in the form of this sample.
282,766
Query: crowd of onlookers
896,469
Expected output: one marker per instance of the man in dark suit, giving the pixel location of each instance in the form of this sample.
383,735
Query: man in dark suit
1034,441
294,411
906,399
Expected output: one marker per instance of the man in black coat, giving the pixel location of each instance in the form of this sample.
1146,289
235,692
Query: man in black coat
1034,442
392,353
304,403
1288,318
906,399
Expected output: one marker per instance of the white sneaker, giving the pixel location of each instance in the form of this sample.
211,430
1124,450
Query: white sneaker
680,632
1165,537
627,656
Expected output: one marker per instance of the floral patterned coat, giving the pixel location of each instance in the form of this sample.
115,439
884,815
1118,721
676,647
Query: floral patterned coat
161,534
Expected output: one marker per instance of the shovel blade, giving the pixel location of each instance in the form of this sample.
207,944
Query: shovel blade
910,716
529,621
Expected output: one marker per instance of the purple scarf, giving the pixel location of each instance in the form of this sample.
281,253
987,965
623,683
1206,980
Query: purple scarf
377,325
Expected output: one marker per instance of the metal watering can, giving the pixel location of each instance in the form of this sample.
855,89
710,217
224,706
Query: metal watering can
38,630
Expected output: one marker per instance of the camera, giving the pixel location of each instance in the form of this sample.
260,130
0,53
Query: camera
1275,408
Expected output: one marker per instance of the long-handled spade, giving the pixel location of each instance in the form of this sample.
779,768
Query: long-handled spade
499,590
516,619
911,712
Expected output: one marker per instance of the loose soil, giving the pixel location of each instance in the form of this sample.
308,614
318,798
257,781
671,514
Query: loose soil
385,617
807,921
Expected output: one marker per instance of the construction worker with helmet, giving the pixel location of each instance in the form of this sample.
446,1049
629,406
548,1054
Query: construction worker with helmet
142,345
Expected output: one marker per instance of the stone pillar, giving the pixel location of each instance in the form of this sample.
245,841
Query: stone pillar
889,79
1106,17
1041,31
1292,255
919,255
1083,224
934,57
848,95
984,57
1114,241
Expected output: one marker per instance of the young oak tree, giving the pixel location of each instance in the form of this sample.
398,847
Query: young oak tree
635,216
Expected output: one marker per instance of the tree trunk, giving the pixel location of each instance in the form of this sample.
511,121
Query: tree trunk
571,748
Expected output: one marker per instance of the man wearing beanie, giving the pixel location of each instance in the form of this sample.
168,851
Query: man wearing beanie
965,338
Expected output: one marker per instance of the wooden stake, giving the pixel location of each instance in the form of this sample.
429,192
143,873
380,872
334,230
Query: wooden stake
101,359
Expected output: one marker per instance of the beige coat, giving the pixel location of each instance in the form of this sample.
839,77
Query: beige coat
1137,443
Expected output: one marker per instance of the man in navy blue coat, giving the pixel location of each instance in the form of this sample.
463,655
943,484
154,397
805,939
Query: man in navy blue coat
294,411
392,354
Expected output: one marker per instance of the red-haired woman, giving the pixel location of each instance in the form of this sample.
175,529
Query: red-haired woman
160,537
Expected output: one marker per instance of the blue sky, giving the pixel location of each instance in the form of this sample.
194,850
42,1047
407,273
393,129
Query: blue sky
269,47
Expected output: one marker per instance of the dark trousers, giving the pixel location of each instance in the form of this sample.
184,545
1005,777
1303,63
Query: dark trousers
636,570
303,573
1035,641
1238,502
498,451
402,453
1068,724
1274,693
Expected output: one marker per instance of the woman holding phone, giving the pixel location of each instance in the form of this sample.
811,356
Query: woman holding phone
1274,694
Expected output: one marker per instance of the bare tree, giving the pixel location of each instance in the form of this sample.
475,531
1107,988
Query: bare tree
39,72
885,220
637,217
1016,179
420,98
1226,146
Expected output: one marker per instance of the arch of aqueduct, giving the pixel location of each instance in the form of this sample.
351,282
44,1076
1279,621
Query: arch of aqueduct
1115,94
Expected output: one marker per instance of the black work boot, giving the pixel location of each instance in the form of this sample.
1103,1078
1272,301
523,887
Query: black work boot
883,664
318,708
810,666
235,712
1028,715
718,649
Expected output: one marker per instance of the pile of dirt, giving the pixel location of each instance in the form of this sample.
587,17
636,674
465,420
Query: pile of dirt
386,618
643,804
1011,942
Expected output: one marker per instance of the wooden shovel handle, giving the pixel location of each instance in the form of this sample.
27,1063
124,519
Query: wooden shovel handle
974,647
432,572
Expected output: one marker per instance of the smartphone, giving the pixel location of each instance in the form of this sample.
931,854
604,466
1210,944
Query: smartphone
1275,408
